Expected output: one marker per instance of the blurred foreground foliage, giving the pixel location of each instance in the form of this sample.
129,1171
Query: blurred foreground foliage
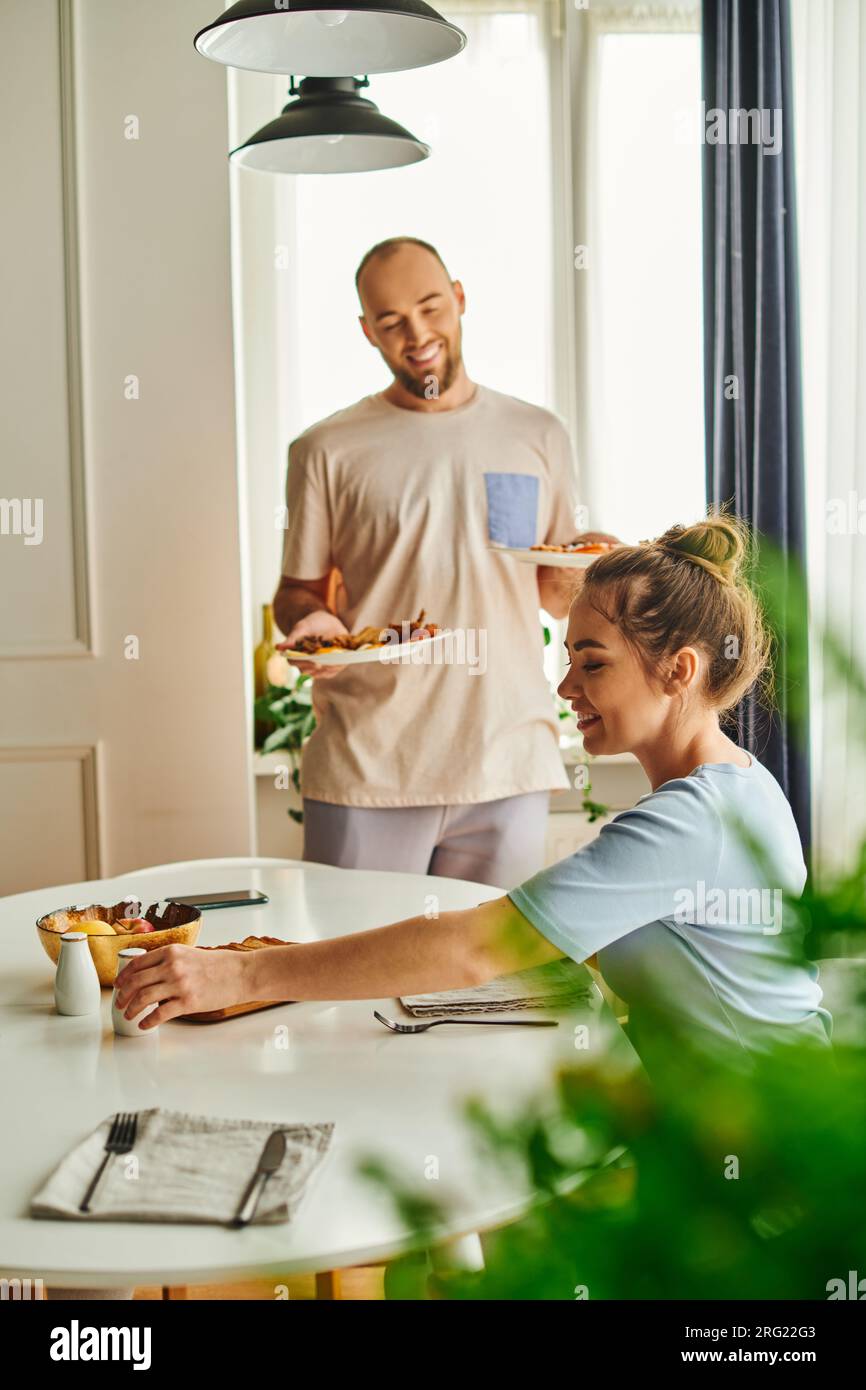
718,1186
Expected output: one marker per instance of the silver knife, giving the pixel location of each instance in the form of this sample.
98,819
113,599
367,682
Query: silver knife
272,1156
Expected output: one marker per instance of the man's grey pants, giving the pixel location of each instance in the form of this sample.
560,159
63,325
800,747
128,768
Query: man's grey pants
496,842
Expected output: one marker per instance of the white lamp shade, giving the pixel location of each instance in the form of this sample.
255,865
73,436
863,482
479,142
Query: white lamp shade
317,154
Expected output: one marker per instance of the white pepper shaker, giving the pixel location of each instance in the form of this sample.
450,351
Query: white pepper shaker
128,1027
76,983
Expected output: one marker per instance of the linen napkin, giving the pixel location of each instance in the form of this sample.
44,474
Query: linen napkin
554,986
186,1168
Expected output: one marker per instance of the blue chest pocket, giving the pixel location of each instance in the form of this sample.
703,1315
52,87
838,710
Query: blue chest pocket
512,508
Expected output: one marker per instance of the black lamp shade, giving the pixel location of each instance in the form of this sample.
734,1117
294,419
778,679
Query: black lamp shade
324,38
329,129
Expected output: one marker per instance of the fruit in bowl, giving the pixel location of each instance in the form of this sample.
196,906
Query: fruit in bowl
96,928
109,929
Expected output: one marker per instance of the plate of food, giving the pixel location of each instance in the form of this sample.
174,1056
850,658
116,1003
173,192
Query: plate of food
388,643
577,556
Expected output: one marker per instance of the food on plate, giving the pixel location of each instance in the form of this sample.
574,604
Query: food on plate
367,637
249,943
578,548
94,928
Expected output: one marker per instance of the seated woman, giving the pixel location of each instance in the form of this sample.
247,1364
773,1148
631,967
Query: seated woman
681,908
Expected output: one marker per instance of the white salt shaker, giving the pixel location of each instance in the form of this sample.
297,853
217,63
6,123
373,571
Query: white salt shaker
76,983
128,1027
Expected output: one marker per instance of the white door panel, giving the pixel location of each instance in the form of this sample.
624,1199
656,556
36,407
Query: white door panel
125,714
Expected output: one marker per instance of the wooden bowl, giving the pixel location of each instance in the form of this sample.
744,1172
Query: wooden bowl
181,926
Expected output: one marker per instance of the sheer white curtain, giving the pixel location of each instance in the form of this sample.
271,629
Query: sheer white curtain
643,371
830,91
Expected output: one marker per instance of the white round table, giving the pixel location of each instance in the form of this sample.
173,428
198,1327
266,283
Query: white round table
398,1098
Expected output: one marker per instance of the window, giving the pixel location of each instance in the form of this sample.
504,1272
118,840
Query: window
646,315
485,202
556,127
633,96
639,292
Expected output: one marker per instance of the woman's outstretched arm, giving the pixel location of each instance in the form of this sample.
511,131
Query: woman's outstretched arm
417,956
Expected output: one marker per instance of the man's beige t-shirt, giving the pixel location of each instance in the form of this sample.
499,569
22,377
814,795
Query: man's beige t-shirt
404,504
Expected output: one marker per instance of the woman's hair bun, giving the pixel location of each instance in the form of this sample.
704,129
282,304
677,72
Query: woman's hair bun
719,545
692,587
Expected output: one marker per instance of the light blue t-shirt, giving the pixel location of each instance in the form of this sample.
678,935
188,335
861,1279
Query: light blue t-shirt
687,922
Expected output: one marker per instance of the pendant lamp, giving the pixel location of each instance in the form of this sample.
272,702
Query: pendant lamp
323,38
329,129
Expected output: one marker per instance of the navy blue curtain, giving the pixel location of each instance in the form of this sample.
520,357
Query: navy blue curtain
754,432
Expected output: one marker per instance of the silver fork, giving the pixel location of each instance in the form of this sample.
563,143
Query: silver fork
471,1022
121,1140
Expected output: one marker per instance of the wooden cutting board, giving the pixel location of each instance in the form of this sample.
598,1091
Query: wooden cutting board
249,943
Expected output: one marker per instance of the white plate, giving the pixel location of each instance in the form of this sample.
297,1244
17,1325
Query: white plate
557,559
388,655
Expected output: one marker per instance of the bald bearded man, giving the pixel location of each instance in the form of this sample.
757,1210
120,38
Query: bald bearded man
433,768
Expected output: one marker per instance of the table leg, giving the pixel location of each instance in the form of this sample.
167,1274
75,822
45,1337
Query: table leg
328,1284
463,1253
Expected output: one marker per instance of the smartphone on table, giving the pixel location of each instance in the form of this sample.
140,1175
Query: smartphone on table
243,897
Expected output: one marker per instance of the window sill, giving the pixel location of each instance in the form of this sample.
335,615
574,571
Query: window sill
269,764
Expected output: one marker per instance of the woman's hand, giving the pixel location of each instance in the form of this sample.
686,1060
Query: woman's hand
182,980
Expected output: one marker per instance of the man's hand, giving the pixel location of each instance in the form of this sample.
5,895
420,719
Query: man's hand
557,584
182,980
596,538
321,623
